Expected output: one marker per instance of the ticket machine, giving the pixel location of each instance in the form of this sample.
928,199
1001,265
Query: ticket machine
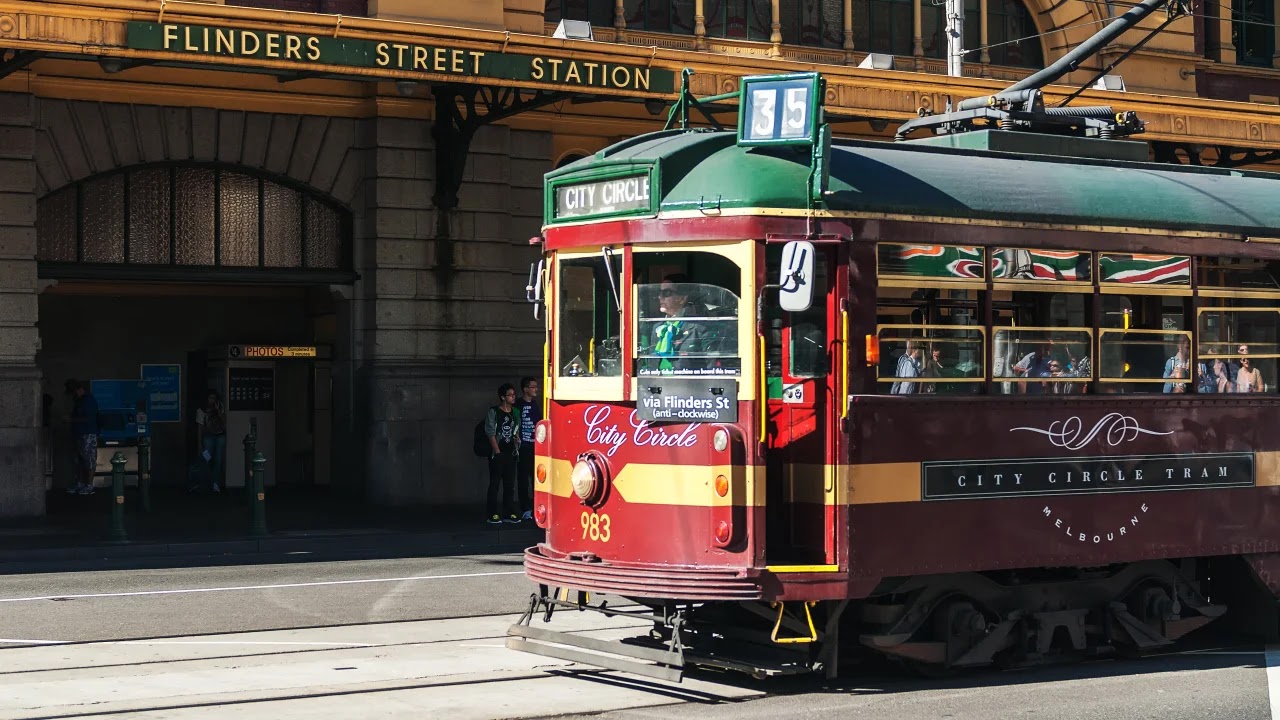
268,390
123,407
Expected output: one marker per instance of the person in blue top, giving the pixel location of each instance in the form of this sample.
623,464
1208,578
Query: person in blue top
84,436
530,411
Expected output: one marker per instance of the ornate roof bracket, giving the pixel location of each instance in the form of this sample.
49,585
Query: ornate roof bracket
461,110
20,60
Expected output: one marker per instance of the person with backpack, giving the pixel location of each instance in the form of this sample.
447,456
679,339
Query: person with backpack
530,410
502,430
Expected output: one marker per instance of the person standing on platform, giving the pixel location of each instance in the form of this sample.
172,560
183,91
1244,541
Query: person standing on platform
211,423
502,427
84,436
530,411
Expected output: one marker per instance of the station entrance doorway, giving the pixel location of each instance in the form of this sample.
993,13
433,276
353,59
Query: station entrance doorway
278,401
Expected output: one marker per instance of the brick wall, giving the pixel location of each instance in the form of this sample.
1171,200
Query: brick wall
331,7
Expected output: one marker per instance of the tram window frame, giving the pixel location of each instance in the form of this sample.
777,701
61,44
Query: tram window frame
1117,320
948,281
739,255
1057,353
588,385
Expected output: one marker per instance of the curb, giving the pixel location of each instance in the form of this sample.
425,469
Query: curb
404,543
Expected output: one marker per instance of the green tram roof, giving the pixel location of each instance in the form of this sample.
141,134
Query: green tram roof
706,170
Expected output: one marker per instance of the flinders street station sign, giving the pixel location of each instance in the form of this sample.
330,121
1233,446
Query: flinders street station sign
439,59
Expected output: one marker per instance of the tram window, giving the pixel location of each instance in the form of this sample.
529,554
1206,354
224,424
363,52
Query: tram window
1018,264
1143,345
1042,342
687,314
1239,334
1144,270
589,319
942,262
931,341
1246,274
807,339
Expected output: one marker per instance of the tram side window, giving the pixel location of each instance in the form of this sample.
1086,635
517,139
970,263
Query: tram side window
1238,325
1144,338
687,307
1042,339
928,320
589,321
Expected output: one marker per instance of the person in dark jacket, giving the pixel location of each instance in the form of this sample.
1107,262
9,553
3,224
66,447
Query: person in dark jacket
84,435
530,412
502,427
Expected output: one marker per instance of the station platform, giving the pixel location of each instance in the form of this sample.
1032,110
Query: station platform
301,523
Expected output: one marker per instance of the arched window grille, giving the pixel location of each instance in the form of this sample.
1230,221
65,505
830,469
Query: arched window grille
193,217
813,23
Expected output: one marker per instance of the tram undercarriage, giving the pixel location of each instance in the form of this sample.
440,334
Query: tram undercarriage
931,624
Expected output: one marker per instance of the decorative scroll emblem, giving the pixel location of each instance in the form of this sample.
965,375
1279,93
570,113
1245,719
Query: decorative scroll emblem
1114,427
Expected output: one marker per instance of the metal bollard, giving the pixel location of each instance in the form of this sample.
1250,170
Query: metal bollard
250,447
257,497
144,472
118,462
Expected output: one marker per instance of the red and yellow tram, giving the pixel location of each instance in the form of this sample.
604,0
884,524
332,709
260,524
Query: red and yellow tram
984,396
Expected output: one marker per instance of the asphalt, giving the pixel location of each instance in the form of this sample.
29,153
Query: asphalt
178,527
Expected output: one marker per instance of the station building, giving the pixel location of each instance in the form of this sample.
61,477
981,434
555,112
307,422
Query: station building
323,208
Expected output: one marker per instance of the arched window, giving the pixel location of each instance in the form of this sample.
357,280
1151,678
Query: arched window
671,16
598,12
1007,21
815,23
739,19
192,216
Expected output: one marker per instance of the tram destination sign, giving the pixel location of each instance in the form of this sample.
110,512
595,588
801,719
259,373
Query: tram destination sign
687,401
1070,476
437,59
615,195
780,109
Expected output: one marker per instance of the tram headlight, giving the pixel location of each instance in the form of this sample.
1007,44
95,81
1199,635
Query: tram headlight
720,440
588,479
541,434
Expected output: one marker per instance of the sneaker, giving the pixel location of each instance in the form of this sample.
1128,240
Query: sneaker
73,489
216,489
512,519
85,490
494,520
528,515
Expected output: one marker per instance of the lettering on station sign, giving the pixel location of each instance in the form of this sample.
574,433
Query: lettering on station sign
267,352
411,57
603,197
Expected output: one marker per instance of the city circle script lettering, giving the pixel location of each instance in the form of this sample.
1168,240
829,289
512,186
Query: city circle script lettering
604,431
389,55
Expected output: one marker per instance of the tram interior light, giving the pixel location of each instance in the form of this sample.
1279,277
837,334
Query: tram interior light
406,88
574,30
877,61
654,106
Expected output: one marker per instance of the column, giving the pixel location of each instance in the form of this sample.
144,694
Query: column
22,492
917,38
699,25
985,57
848,32
1226,48
775,33
620,20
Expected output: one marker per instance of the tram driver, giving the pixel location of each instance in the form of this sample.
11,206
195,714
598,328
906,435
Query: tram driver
677,336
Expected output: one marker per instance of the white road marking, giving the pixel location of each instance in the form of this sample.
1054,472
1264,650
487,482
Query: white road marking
256,587
13,641
1273,678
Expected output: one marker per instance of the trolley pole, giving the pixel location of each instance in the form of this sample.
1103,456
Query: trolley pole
144,472
118,462
258,497
955,38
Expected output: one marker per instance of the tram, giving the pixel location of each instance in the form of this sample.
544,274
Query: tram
993,396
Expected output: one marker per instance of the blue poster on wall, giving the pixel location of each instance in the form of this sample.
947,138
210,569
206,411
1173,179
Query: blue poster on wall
164,382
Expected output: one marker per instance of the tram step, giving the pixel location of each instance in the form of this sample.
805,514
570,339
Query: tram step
609,654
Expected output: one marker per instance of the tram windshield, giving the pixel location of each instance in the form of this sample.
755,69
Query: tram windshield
687,314
589,319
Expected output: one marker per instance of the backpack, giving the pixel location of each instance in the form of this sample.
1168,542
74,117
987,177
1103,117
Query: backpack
480,442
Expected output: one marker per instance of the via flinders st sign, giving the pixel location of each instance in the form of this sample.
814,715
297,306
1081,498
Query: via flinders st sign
438,59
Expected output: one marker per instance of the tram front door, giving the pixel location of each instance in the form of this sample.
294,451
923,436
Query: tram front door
803,354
